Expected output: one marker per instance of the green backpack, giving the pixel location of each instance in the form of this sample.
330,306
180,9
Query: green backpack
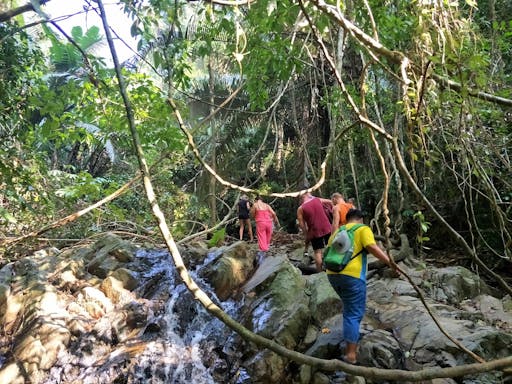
340,252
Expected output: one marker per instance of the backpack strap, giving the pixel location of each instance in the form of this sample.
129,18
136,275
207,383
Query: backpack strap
353,229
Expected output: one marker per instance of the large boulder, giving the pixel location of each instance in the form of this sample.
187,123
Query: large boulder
279,311
324,302
109,253
229,271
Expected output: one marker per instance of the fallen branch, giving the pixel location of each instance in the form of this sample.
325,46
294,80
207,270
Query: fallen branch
73,216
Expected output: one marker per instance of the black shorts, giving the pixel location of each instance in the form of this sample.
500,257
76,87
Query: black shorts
320,242
243,217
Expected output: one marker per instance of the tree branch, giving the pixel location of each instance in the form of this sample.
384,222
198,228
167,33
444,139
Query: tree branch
396,56
7,15
74,216
240,329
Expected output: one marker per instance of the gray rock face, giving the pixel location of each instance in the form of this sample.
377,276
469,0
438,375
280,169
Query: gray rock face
90,314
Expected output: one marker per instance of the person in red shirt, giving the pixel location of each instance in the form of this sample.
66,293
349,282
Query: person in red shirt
315,224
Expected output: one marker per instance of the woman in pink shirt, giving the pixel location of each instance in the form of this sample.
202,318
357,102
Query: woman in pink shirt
264,216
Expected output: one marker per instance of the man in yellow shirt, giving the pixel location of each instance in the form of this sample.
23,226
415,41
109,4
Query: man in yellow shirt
350,283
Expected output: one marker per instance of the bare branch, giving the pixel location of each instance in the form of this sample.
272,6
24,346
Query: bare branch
74,216
7,15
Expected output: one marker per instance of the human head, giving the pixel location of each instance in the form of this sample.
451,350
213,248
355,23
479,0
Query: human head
258,198
354,215
336,198
244,197
304,197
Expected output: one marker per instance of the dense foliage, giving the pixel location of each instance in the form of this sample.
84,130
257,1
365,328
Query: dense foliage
409,102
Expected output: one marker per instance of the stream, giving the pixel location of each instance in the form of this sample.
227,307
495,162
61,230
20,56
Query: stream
190,332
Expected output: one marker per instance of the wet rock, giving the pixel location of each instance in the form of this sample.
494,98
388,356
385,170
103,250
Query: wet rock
79,334
230,271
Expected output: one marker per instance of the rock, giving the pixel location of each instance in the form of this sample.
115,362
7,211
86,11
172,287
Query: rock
94,310
194,254
305,374
11,374
493,311
328,344
270,266
5,292
7,273
14,306
114,290
282,311
324,302
111,252
96,296
266,367
381,350
310,337
320,378
453,284
230,271
127,278
78,333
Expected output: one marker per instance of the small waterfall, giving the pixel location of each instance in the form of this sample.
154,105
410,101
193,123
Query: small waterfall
181,352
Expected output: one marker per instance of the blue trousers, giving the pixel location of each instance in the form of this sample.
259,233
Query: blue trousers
352,292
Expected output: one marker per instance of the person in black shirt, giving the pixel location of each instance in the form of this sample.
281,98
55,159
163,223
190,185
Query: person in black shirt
244,207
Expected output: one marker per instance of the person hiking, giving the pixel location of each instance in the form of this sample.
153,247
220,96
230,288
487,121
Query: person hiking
315,224
350,283
243,208
339,212
264,216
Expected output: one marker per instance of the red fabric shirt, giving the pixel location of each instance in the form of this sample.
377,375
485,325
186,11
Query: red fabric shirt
314,215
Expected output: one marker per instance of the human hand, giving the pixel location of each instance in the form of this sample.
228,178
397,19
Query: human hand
395,270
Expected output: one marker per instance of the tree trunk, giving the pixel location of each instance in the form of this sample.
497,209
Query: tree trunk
212,200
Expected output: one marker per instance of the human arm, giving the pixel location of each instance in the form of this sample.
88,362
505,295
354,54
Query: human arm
376,251
369,243
335,219
302,224
274,216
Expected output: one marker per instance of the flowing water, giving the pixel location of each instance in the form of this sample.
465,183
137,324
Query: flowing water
186,346
180,355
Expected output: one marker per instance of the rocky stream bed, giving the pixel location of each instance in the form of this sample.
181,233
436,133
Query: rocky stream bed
113,312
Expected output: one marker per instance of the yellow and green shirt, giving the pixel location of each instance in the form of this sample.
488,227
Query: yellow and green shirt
357,267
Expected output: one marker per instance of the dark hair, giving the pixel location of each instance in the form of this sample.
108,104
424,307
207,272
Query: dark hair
258,197
354,214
